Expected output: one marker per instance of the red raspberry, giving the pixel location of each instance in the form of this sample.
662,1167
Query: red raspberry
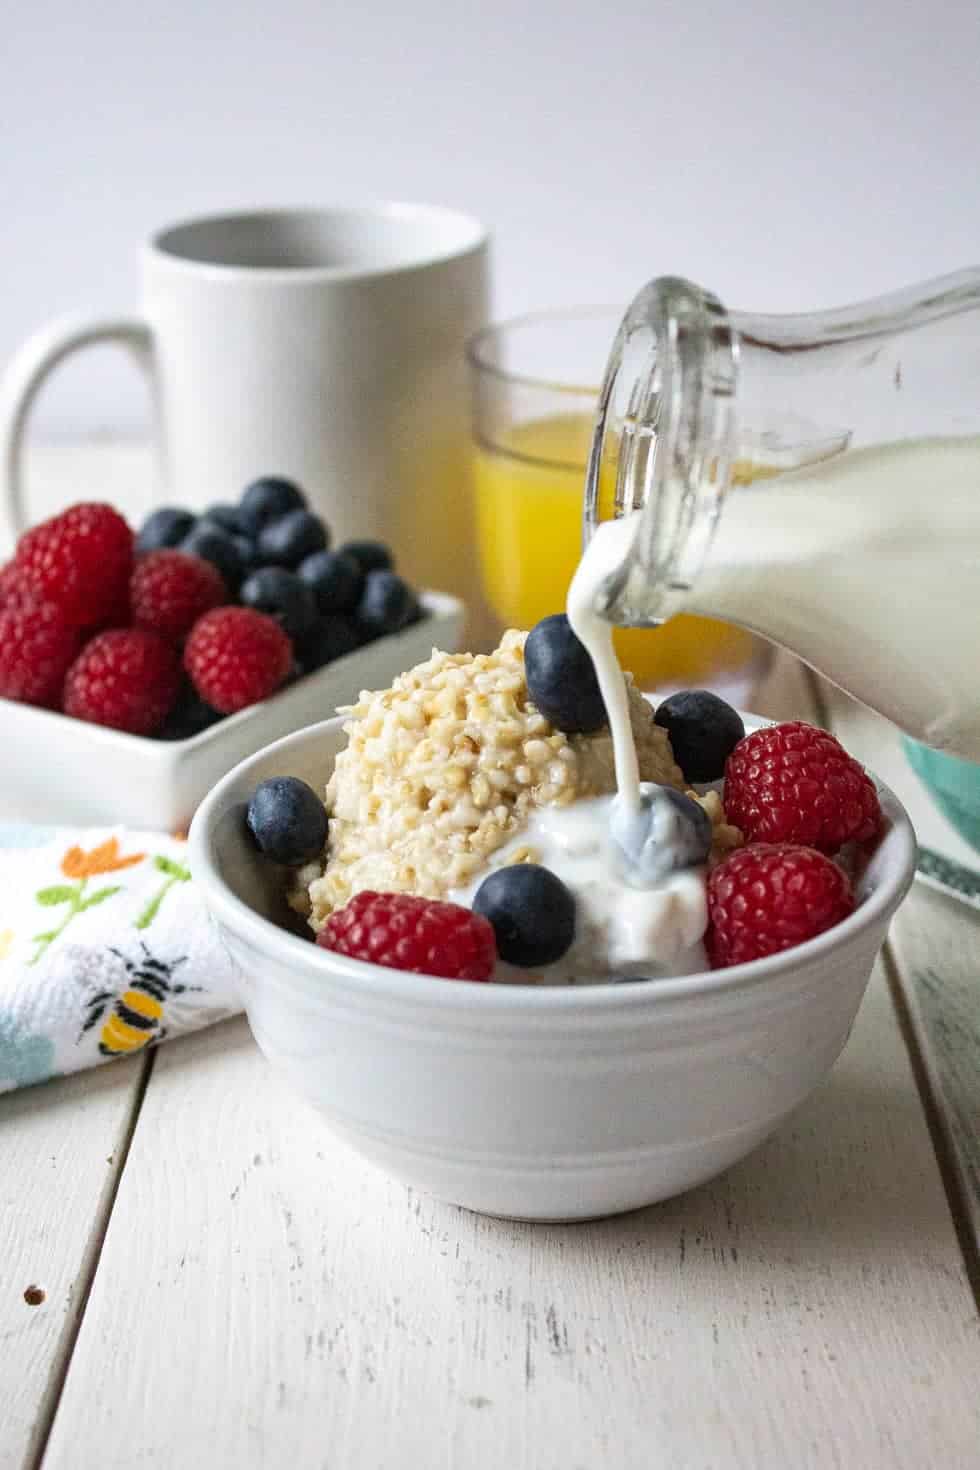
795,783
236,656
127,679
80,560
14,586
409,933
170,590
770,897
36,649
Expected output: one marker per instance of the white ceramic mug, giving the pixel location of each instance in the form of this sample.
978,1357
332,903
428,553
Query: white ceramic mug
323,345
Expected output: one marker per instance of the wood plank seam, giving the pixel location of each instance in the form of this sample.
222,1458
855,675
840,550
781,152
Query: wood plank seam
951,1169
61,1362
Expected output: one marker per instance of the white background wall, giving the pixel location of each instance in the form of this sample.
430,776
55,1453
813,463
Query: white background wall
786,159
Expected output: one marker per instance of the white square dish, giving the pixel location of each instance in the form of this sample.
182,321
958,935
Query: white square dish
65,771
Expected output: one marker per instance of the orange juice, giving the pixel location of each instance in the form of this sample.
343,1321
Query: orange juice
529,530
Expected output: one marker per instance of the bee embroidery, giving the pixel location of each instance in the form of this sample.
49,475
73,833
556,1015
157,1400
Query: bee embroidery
134,1017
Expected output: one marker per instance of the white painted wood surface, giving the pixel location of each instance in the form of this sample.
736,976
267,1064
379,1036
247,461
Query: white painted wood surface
262,1298
61,1150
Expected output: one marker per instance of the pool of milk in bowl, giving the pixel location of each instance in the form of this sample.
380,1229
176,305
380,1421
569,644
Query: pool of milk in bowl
622,932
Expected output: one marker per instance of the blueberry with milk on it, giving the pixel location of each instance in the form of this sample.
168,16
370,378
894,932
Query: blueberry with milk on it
289,539
288,821
284,596
532,913
703,731
670,832
387,604
330,638
336,580
371,556
266,500
163,529
217,547
561,677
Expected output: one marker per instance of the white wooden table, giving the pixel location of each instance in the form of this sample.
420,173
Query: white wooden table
193,1272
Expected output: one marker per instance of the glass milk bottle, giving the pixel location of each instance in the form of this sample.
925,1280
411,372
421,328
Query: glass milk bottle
815,479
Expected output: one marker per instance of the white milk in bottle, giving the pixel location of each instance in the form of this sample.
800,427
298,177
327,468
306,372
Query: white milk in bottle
855,566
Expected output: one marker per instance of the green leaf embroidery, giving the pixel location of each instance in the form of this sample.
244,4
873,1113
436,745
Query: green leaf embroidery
59,893
176,873
99,897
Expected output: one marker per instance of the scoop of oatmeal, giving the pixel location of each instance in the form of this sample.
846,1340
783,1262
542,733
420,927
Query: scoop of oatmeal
443,768
724,836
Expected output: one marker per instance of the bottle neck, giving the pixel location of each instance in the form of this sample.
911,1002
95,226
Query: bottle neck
663,443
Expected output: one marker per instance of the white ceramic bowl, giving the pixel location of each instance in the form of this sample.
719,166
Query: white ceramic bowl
544,1104
65,771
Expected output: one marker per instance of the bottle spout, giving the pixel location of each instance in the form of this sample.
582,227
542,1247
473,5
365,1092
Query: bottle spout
662,445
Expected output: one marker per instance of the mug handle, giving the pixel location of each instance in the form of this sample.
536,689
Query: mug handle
31,364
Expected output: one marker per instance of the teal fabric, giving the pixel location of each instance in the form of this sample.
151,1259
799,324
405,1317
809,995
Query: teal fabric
25,1057
953,784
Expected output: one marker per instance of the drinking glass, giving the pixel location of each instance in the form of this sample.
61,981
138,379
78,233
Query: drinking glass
535,387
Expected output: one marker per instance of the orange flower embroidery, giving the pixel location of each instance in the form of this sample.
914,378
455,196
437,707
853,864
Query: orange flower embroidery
102,859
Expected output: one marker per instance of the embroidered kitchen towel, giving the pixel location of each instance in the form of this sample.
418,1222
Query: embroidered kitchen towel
105,948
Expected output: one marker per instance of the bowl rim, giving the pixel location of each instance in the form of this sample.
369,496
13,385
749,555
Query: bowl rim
403,986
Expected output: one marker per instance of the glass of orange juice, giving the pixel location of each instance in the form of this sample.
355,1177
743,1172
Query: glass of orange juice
535,385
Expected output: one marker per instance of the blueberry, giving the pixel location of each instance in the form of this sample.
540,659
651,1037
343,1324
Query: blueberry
165,527
330,638
247,552
532,913
267,499
671,831
217,547
288,821
290,539
371,556
189,716
284,596
387,604
336,579
226,518
561,678
703,731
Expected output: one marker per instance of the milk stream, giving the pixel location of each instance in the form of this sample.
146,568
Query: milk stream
642,830
605,553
